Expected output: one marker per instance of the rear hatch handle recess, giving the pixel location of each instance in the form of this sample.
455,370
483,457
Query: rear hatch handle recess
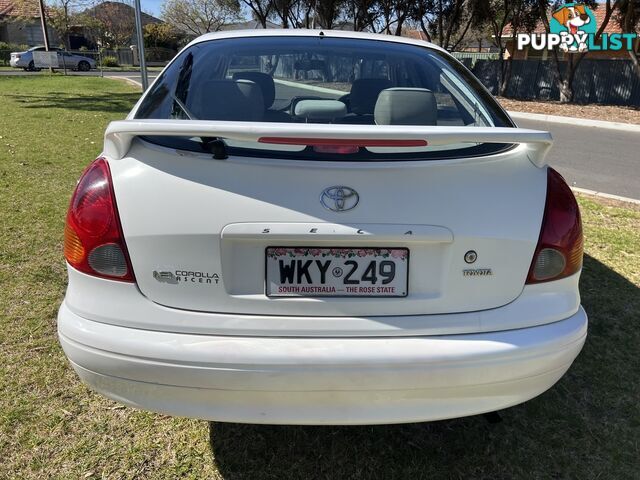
120,134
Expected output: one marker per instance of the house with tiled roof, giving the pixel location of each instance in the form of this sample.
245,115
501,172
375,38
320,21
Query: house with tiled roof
529,53
20,23
118,28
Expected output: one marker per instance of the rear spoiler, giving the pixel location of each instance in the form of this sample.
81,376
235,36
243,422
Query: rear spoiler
120,134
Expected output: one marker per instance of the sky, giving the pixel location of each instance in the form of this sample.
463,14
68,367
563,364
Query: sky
151,6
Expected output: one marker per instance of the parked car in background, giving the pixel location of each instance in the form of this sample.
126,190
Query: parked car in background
66,59
308,227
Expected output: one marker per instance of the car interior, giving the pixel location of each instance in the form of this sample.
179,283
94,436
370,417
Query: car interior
249,96
310,84
317,82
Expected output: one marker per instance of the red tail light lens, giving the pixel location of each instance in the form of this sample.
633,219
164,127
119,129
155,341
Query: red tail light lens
559,250
93,240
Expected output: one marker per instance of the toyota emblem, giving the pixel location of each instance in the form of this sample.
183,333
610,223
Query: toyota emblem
339,198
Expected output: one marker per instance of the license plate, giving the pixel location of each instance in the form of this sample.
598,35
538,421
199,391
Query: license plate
336,272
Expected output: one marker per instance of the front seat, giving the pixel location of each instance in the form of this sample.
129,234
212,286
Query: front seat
268,88
233,100
406,106
362,99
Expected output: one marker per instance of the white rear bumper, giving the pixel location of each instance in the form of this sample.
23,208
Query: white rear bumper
320,380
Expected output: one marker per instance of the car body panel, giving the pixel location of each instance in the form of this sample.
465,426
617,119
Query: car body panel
320,380
125,306
184,231
470,337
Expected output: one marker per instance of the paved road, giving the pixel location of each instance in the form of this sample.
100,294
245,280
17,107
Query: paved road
593,158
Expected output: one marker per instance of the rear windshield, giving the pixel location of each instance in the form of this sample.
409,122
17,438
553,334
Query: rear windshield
321,80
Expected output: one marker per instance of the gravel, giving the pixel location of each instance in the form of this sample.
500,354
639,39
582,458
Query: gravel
608,113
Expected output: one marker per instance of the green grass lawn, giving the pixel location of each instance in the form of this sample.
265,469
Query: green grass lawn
51,426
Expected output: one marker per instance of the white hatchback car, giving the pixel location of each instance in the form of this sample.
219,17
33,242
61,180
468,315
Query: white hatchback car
306,227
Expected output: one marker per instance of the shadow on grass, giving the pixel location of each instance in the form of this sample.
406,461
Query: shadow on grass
112,102
586,426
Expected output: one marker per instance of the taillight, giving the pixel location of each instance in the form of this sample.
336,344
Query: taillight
93,240
559,250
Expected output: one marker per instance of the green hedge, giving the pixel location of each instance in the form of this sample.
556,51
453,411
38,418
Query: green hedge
109,61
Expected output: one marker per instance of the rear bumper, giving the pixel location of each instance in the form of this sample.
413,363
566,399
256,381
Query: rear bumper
320,380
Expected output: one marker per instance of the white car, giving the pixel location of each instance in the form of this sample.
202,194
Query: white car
67,60
307,227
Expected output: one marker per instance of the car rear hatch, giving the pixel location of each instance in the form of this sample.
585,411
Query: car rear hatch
199,230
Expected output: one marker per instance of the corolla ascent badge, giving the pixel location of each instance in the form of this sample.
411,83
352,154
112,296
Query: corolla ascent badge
339,198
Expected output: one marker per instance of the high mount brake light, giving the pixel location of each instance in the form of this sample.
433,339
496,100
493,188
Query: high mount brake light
340,149
93,240
559,250
343,142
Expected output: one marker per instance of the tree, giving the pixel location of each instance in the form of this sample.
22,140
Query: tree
261,10
392,15
422,14
327,12
284,12
61,16
520,16
162,35
363,14
565,79
111,24
300,13
629,21
447,22
197,17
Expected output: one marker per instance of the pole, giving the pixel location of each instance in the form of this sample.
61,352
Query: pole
43,23
143,63
45,33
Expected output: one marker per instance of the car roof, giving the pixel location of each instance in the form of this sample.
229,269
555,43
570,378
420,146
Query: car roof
301,32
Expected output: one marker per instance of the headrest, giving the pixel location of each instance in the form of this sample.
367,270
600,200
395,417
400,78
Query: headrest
364,93
406,106
234,100
320,110
264,81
